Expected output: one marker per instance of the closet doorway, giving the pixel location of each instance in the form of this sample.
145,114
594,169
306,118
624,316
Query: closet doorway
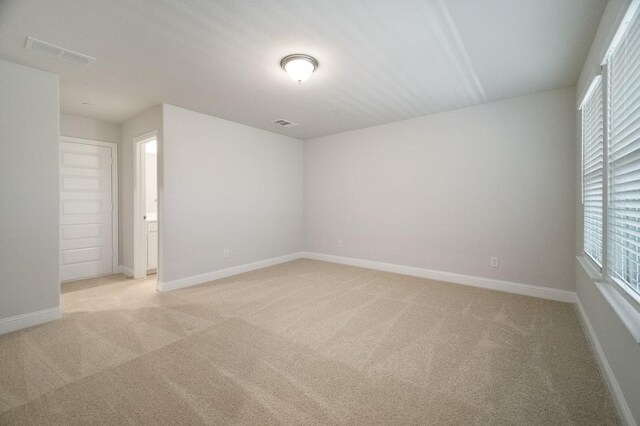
88,208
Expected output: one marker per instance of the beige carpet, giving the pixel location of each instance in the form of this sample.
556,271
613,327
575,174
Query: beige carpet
305,342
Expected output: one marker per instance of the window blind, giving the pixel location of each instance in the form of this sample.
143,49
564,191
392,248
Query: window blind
623,228
593,170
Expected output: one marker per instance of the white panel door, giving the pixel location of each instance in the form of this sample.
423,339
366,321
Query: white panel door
86,218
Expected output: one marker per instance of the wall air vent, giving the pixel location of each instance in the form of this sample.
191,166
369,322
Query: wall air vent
284,123
42,47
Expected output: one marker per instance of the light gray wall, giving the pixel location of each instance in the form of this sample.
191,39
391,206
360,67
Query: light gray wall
29,206
142,124
87,128
227,185
449,191
620,348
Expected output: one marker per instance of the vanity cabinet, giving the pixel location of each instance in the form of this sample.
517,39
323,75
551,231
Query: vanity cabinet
152,245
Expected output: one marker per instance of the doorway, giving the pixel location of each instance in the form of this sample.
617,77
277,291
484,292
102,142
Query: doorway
88,208
146,205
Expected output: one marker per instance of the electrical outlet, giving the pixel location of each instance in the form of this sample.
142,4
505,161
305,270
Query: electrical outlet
226,252
494,262
340,243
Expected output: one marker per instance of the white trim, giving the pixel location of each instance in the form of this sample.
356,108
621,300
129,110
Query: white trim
125,270
139,227
589,268
18,322
594,263
88,141
623,289
614,387
624,308
489,283
622,29
629,316
590,90
223,273
114,191
605,171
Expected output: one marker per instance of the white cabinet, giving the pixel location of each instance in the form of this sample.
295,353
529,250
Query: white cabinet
152,245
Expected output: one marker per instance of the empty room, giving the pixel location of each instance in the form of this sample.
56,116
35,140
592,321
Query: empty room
338,212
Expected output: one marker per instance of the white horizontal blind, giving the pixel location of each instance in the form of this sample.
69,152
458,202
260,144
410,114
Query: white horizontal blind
623,249
593,170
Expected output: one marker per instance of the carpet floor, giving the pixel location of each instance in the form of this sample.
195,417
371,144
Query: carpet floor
305,342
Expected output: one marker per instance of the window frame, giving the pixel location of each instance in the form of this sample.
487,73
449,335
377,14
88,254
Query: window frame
602,271
598,79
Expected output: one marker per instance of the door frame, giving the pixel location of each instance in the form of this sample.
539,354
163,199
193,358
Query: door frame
114,191
139,200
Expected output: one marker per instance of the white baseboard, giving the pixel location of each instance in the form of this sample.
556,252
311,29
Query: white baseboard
489,283
125,270
506,286
614,387
223,273
18,322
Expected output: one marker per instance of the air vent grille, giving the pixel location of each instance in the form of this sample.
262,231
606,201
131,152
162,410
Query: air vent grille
42,47
284,123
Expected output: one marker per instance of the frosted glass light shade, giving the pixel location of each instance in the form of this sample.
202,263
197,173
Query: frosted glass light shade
299,67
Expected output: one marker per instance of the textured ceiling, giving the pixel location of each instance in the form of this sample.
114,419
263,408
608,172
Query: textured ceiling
380,60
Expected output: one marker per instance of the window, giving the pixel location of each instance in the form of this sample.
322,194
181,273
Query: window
593,170
624,159
610,115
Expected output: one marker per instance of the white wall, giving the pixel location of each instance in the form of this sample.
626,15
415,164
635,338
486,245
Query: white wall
29,206
87,128
621,350
226,185
448,191
142,124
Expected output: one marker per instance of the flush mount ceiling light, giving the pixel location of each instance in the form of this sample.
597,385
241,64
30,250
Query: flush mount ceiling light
299,66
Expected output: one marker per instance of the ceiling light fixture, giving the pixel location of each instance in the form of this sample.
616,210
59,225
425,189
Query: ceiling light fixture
299,66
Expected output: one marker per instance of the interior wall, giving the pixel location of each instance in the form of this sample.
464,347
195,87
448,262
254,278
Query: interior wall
621,350
146,122
449,191
227,186
619,346
29,190
87,128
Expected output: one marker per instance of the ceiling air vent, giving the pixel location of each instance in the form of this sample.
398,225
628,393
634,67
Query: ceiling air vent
39,46
284,123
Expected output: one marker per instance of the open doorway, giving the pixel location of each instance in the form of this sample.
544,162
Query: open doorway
145,239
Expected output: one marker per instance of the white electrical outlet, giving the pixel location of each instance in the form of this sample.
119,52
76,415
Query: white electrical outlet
340,243
226,252
494,262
